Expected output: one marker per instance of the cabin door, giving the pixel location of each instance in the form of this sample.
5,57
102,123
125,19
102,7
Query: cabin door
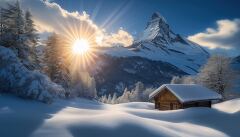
171,106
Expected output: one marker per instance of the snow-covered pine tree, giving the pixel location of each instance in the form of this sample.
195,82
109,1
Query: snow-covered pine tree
103,99
92,88
137,93
12,35
13,24
31,39
29,27
125,96
109,99
114,98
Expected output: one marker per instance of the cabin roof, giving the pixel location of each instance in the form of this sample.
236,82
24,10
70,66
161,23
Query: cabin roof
188,92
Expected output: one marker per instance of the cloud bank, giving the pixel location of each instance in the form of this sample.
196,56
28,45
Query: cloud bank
224,38
51,17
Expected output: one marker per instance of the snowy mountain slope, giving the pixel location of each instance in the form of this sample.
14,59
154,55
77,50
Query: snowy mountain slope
158,42
154,58
115,74
81,117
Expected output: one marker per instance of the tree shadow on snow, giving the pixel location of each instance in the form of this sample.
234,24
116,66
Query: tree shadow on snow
126,130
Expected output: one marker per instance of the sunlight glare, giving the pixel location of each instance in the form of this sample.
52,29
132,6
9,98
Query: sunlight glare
80,46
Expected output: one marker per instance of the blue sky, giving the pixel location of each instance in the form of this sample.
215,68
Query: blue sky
186,17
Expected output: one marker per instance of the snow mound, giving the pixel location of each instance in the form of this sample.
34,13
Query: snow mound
231,106
16,78
137,105
85,118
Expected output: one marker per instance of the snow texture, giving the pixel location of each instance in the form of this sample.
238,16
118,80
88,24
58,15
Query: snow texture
17,79
85,118
188,92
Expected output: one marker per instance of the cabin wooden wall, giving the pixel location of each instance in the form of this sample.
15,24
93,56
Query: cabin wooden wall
167,101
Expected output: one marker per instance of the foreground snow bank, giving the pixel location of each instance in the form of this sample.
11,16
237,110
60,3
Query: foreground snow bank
84,118
15,78
231,106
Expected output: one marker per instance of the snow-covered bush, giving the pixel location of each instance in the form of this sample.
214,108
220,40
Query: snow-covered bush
184,80
16,78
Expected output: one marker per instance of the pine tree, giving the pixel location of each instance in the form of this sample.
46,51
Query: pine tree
55,66
13,23
137,92
12,34
29,28
125,96
31,40
114,99
103,99
51,57
109,99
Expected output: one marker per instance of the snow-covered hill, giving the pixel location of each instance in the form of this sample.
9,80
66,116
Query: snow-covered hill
85,118
158,42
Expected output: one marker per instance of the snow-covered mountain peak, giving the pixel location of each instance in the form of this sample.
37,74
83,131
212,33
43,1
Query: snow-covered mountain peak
156,27
157,15
158,42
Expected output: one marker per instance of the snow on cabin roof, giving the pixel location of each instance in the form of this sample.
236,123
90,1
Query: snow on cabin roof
188,92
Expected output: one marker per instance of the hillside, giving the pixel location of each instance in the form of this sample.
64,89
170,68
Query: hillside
85,118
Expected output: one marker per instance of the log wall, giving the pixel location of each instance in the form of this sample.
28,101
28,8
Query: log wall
167,101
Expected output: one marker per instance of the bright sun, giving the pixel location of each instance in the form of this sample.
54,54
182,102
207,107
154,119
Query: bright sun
80,46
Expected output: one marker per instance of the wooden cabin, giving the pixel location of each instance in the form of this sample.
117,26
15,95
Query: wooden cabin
180,96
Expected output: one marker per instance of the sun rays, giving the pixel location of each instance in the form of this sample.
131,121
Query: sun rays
80,46
81,38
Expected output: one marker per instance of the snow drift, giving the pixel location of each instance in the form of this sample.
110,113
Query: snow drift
85,118
16,78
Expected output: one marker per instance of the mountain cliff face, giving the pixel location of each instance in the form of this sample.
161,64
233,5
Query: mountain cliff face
154,58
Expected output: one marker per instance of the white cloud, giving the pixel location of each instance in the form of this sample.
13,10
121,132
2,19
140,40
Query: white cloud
224,38
120,38
51,17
